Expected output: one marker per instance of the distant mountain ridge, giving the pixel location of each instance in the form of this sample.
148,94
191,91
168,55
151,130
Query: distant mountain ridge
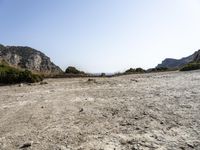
178,63
28,58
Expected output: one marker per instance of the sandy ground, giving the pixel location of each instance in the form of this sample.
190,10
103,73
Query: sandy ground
137,112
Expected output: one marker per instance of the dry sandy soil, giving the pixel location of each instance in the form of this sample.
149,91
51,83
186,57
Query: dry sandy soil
137,112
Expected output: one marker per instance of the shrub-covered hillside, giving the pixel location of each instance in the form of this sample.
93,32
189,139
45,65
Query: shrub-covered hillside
191,66
10,75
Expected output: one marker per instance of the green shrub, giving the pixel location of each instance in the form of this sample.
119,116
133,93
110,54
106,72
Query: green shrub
73,70
140,70
191,66
103,75
10,75
130,71
159,69
133,71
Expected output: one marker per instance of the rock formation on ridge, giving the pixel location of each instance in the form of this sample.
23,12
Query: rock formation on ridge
28,58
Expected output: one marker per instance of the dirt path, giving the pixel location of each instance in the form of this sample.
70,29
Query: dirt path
137,112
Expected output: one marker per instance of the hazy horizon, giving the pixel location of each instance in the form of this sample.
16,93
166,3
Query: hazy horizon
103,36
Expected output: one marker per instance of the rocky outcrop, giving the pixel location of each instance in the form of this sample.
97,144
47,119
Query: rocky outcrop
178,63
196,57
28,58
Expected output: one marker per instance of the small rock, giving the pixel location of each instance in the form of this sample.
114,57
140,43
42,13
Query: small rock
43,83
135,147
161,122
137,128
190,145
25,145
81,110
21,85
182,148
136,118
91,80
145,113
134,80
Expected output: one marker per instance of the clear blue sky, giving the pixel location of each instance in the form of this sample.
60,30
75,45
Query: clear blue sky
103,35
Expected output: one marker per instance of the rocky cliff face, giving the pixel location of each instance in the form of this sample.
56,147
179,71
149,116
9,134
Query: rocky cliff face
196,57
178,63
28,58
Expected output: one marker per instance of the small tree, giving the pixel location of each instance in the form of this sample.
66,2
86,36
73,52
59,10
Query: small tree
130,71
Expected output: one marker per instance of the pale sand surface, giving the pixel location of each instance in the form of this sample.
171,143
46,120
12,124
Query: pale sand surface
137,112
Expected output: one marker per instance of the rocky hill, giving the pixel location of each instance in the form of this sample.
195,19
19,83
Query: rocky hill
178,63
28,58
